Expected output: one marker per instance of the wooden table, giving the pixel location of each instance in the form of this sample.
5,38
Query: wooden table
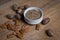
51,9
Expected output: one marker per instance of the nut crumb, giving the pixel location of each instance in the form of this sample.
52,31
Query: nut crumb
17,22
10,36
37,26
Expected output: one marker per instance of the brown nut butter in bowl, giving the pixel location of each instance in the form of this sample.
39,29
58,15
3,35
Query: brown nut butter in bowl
32,14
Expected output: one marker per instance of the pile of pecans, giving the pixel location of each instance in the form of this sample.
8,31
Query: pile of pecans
18,32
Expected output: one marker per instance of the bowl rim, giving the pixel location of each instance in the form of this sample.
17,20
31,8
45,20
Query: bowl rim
33,8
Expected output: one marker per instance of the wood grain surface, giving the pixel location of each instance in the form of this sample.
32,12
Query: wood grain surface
51,9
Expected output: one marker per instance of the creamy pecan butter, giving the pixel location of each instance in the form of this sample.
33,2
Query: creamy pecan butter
33,15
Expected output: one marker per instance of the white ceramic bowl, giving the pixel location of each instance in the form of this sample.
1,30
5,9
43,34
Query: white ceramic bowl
30,21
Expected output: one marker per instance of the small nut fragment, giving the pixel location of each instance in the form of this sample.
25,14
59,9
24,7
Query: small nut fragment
19,34
45,21
10,36
11,27
17,22
10,16
19,10
3,26
13,33
15,7
49,33
25,29
37,26
18,16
